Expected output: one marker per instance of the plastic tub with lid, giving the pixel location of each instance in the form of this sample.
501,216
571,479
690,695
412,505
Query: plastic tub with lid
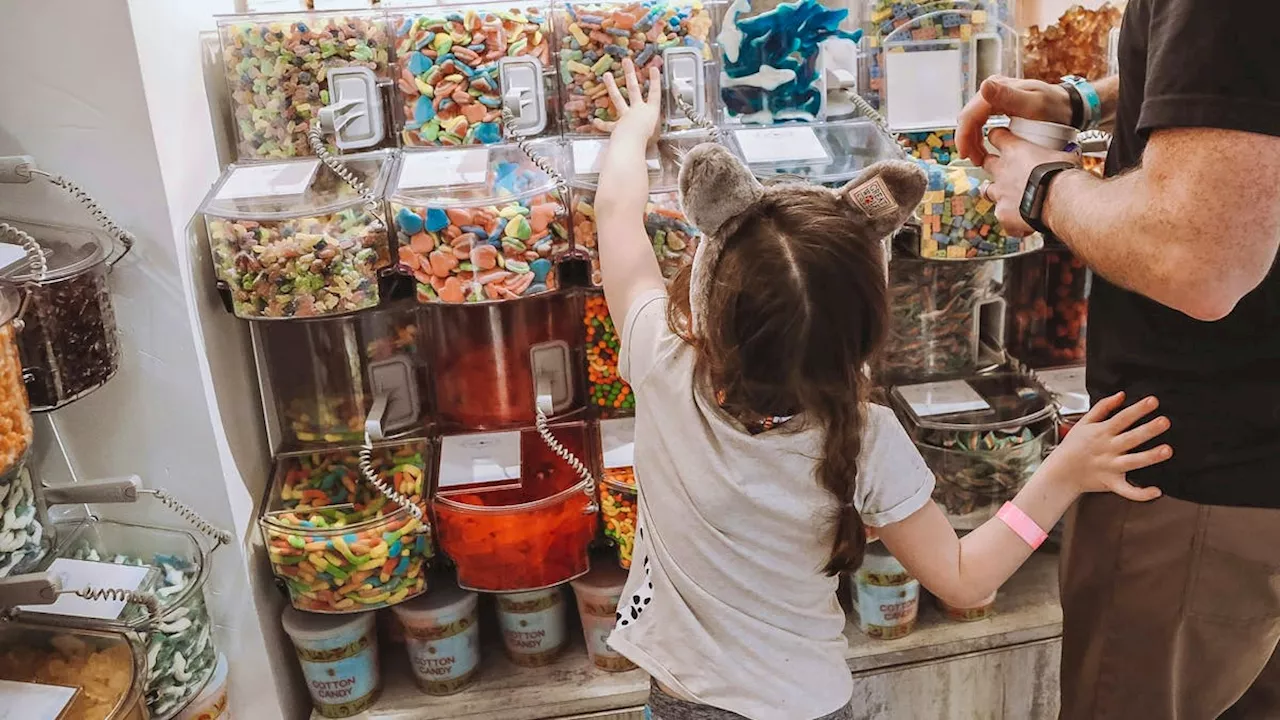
292,239
598,593
477,225
69,341
674,238
71,674
493,361
337,543
973,613
442,633
983,438
1047,308
619,511
339,659
511,512
322,378
534,625
213,702
830,153
886,597
496,47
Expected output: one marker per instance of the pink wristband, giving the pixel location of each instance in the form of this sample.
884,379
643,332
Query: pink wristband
1022,524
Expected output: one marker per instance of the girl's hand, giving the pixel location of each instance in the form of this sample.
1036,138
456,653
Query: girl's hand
637,117
1096,454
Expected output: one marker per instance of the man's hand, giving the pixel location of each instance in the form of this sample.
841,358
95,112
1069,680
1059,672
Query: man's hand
1009,172
999,95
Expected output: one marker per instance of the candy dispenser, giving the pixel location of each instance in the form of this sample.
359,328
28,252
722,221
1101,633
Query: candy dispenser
492,361
68,338
830,153
23,535
619,509
607,393
322,378
78,674
512,513
337,543
498,48
478,224
289,71
1077,44
983,438
1047,306
292,239
595,37
957,223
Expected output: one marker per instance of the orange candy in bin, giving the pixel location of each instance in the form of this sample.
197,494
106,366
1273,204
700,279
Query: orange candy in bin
511,513
618,507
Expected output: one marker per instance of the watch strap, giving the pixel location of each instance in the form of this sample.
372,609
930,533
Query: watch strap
1077,105
1089,98
1037,189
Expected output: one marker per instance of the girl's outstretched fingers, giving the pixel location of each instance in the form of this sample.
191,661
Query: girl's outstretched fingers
1142,434
1129,416
1146,458
1132,492
615,95
1103,408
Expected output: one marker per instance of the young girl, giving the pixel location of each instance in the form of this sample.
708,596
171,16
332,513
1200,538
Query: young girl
759,461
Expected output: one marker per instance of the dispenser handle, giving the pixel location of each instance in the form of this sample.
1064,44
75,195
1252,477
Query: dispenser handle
373,420
524,94
105,490
29,589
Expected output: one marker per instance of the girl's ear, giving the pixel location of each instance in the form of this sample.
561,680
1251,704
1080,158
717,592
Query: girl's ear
887,193
715,187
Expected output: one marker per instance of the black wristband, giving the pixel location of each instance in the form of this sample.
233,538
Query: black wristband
1077,105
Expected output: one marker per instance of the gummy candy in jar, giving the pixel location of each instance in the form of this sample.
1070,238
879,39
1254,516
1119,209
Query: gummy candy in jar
607,392
102,672
1076,44
619,510
1047,307
958,223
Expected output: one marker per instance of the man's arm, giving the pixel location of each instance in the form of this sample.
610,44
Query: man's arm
1195,227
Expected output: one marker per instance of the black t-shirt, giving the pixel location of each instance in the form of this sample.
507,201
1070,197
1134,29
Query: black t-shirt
1196,63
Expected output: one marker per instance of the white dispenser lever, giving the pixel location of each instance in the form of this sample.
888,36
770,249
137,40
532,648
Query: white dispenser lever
354,115
682,71
523,94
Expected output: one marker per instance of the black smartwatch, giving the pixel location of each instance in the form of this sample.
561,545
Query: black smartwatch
1037,189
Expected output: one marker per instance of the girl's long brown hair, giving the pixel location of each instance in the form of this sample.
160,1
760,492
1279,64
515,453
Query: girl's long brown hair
797,311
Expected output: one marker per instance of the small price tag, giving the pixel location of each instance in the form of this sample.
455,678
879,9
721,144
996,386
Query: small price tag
781,144
261,181
587,155
34,701
618,442
445,167
943,398
472,461
1068,388
79,574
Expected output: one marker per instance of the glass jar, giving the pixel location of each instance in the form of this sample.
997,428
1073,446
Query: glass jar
1070,395
435,43
69,341
1077,44
937,325
479,224
294,240
105,670
983,443
320,377
518,537
337,543
607,392
1047,308
830,153
619,510
276,69
488,365
957,223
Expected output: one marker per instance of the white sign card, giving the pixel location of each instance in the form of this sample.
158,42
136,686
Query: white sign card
263,181
587,155
34,701
467,461
943,398
781,144
80,574
618,442
444,167
1068,389
924,89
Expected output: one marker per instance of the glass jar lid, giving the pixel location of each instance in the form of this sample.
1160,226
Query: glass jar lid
68,251
997,401
298,188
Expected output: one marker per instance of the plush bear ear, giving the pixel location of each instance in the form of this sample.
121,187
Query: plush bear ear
887,193
715,187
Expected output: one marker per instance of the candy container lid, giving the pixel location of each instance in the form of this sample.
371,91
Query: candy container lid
663,160
473,175
314,626
604,579
528,595
68,251
878,559
301,187
1001,400
445,597
832,152
19,640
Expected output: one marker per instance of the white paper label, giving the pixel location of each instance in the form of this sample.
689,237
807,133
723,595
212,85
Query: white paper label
924,89
943,398
618,442
445,167
587,155
467,460
33,701
79,574
1068,388
781,144
260,181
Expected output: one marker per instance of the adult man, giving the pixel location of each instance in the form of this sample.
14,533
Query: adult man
1172,608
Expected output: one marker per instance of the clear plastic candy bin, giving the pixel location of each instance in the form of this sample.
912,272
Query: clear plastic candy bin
495,48
336,542
321,377
24,537
957,223
69,341
607,393
619,507
674,238
478,224
277,73
983,438
513,514
1077,44
829,154
292,239
104,670
1047,296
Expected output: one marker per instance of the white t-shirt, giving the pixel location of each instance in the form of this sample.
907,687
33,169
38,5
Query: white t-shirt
726,603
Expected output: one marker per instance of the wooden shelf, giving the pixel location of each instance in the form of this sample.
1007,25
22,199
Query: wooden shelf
1027,610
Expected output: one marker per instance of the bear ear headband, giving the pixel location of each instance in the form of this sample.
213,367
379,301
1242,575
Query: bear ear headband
717,190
